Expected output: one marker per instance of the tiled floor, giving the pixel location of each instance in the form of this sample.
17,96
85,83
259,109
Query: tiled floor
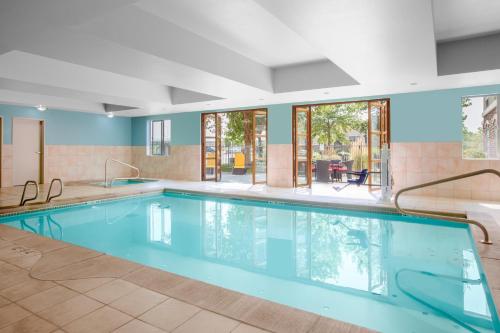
70,289
55,286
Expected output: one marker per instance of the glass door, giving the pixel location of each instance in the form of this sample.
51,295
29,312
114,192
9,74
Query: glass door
211,146
259,175
378,134
302,173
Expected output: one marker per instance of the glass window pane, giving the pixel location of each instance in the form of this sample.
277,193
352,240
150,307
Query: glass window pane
480,130
156,138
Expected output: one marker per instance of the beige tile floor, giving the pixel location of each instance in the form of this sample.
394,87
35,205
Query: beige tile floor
70,289
55,286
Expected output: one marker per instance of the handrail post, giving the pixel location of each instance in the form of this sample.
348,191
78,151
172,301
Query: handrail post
49,197
119,162
429,214
37,190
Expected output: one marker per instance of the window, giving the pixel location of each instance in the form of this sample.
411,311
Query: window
159,138
480,131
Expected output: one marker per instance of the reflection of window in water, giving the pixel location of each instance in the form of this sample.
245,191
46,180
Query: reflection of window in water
340,251
160,224
235,234
480,130
474,296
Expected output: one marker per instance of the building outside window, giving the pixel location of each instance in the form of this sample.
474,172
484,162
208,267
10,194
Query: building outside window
480,130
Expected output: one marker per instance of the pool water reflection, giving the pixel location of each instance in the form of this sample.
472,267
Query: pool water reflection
385,272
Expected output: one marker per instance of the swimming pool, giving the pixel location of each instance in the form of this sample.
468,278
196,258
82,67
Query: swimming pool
382,271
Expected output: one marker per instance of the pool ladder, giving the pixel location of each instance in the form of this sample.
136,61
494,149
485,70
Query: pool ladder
461,218
37,191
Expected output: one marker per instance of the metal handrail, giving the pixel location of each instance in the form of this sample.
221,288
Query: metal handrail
49,197
117,178
24,201
444,216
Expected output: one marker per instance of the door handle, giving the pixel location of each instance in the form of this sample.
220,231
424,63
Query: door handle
37,152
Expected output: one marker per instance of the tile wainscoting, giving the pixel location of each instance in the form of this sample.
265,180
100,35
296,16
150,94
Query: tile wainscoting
183,163
73,162
280,165
415,163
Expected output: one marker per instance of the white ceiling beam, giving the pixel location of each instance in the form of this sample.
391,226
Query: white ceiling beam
134,28
372,41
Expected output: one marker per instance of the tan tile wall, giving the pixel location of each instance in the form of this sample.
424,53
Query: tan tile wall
7,165
280,165
415,163
73,163
183,163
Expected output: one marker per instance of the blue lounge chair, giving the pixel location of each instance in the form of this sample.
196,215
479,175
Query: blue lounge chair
361,180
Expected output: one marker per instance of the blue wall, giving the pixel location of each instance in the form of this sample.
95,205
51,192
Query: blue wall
185,128
430,116
71,128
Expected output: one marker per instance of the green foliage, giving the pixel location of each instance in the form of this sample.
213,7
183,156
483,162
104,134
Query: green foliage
331,123
472,141
359,154
238,130
472,144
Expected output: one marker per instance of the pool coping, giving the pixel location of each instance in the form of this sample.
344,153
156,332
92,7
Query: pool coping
489,255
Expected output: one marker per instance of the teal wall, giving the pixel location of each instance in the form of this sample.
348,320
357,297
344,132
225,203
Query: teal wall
185,128
71,128
429,116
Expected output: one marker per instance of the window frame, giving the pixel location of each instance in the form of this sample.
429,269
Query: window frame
164,144
462,141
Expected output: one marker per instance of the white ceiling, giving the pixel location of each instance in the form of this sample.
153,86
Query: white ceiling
457,19
240,25
163,56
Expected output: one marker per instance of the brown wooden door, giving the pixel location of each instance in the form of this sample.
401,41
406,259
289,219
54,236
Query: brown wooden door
210,146
302,148
259,151
378,134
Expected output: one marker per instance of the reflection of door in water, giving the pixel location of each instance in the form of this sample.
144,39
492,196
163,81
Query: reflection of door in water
26,150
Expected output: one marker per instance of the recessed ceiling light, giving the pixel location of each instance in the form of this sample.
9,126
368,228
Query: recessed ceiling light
413,83
41,108
110,115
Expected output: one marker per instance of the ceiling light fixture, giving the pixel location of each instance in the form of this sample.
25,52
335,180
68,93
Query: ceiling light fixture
326,93
41,108
413,83
110,115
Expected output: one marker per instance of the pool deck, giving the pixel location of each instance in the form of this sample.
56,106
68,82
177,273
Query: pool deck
58,287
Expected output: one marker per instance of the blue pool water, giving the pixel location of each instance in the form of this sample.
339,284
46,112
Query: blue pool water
123,182
385,272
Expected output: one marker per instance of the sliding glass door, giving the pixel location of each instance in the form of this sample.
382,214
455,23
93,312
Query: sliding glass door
259,174
375,135
378,134
249,160
302,149
211,146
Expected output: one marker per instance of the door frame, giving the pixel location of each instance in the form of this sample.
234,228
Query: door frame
1,149
41,160
216,113
309,146
254,113
309,134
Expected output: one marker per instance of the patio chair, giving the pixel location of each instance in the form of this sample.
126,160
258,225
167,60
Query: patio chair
323,171
239,164
361,180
